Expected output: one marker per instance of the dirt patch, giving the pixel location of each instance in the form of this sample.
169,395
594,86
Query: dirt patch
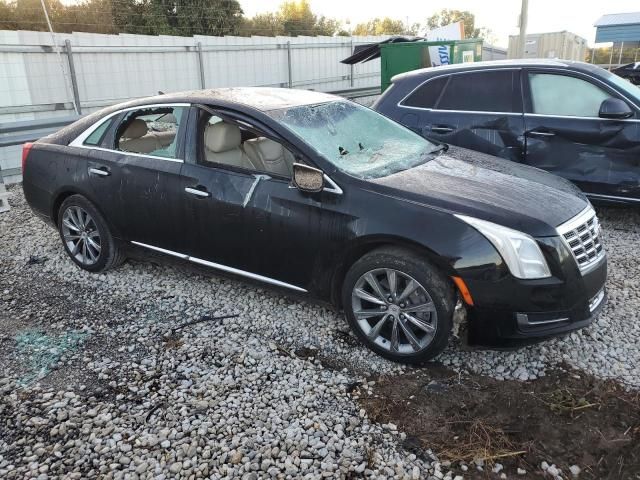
563,418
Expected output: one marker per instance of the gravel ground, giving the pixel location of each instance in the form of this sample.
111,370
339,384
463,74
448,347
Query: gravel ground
103,375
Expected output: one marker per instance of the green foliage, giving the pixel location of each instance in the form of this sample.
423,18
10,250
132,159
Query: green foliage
292,19
380,26
447,16
630,53
264,24
151,17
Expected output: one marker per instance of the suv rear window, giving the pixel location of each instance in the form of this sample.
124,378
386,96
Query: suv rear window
473,91
428,94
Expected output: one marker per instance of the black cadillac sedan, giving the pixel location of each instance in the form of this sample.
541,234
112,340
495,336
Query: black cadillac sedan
573,119
316,194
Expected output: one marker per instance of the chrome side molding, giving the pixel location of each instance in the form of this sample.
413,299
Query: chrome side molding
224,268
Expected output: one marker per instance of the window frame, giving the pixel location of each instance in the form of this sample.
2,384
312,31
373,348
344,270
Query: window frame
517,92
119,117
233,118
528,97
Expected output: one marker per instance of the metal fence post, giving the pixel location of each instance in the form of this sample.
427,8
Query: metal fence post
611,56
289,63
351,74
620,56
72,74
201,65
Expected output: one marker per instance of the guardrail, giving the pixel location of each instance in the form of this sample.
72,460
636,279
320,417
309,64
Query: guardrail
17,133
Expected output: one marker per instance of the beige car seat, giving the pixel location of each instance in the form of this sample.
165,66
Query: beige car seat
275,158
222,145
137,139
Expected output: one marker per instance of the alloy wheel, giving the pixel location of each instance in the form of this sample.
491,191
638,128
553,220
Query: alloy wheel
394,311
81,235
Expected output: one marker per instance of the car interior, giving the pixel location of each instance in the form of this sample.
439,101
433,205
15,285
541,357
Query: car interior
150,134
227,144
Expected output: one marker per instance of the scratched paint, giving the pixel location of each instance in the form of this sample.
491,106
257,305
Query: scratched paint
40,351
252,189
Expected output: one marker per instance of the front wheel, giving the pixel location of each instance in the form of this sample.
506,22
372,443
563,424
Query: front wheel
86,236
399,305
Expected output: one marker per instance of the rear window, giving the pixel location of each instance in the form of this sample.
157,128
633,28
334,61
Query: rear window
427,94
474,92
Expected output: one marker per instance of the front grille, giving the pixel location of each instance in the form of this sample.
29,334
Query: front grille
582,236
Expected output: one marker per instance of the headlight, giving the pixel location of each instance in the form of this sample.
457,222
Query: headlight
519,250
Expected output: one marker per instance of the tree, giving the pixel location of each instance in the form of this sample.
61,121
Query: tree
298,19
8,20
380,26
265,24
447,16
178,17
207,17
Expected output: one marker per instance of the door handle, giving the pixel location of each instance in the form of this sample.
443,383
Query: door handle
101,172
197,192
538,133
441,129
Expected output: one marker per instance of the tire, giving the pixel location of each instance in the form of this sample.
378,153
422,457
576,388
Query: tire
80,223
365,311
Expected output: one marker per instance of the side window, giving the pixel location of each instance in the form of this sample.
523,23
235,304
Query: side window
98,134
151,131
482,92
427,94
553,94
225,143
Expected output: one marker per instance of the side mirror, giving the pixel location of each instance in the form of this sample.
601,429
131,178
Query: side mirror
307,179
614,108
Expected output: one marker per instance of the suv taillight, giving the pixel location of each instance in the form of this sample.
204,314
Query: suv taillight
26,148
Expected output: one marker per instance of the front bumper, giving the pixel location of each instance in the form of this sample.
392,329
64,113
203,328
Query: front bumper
540,309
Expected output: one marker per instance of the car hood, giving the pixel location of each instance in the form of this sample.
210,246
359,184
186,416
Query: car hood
507,193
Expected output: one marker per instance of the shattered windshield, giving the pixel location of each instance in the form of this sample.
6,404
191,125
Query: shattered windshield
355,139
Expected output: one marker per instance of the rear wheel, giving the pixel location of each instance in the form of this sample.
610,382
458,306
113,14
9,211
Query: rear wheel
399,305
86,236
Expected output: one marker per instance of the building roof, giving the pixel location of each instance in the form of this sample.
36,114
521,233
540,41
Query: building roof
618,19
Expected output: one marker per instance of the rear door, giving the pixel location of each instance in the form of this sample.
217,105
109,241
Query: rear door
565,135
135,173
479,110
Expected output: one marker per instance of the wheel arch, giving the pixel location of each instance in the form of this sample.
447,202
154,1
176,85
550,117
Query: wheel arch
65,192
366,245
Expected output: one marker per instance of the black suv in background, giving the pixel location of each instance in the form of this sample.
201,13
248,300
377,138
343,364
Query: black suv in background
573,119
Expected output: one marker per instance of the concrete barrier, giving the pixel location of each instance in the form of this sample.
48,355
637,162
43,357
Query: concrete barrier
4,196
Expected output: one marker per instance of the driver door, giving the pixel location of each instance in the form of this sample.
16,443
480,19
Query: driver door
241,212
565,135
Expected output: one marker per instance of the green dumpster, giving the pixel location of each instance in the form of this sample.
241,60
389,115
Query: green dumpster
403,57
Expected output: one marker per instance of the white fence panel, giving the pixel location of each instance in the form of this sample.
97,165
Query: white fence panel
36,83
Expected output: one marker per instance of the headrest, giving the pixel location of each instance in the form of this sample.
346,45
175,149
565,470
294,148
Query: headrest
269,150
221,137
136,129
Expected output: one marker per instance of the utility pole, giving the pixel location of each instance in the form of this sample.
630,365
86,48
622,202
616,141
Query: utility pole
56,48
522,39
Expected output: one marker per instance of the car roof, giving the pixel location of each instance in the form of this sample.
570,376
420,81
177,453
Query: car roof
259,98
253,98
557,63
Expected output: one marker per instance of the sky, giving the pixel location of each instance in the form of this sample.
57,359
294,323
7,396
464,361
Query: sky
500,16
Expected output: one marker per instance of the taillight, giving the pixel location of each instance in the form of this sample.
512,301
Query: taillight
26,148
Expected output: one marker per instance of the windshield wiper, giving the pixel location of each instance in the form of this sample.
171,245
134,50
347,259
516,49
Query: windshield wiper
443,147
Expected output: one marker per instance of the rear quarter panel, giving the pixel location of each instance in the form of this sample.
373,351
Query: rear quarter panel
52,170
